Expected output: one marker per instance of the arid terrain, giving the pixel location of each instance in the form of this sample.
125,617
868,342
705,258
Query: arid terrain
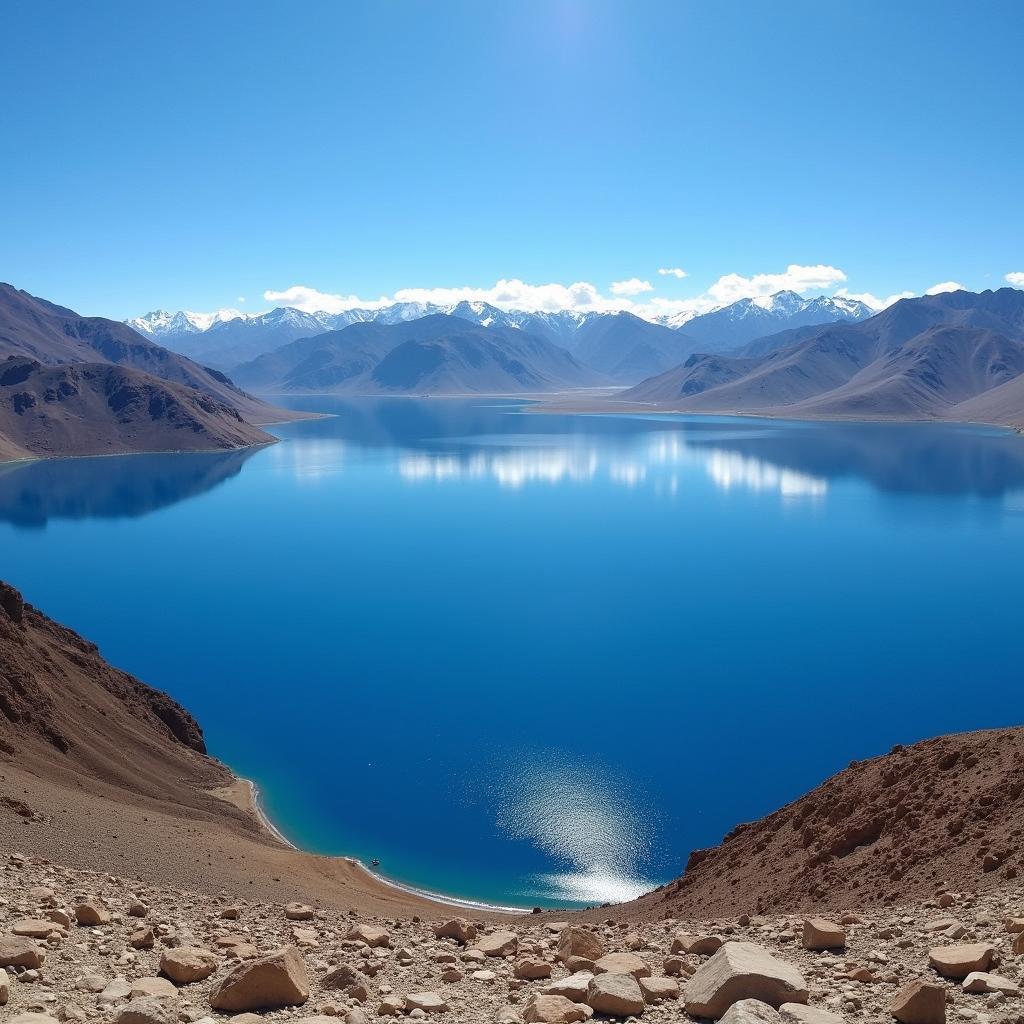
139,886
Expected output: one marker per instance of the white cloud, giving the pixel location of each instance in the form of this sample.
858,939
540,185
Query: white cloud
795,278
634,286
1016,278
309,300
944,286
241,298
873,301
672,272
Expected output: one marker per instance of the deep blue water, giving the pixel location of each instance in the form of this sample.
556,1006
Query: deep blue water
536,659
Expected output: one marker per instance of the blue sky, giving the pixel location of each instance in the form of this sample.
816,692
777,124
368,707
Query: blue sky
187,154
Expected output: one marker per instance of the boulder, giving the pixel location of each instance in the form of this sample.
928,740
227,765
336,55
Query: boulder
751,1011
457,928
959,961
428,1002
543,1009
820,934
531,968
20,951
622,963
656,990
977,981
498,944
142,938
371,934
90,913
299,912
34,928
795,1013
579,942
742,970
114,992
615,995
697,945
269,982
573,987
919,1002
147,1010
5,987
343,977
186,964
159,988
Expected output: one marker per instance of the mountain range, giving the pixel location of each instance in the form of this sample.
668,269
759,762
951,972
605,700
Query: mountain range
74,385
229,339
436,354
956,355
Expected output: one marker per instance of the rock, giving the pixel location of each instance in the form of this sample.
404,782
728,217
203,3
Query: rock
751,1011
616,995
820,934
114,992
137,909
391,1006
579,963
579,942
20,951
919,1002
371,934
697,945
1018,943
508,1015
531,968
31,1018
354,1016
676,965
544,1009
795,1013
343,977
160,988
186,964
59,917
485,976
299,912
622,963
5,987
977,981
959,961
90,981
657,990
742,970
428,1002
90,913
142,938
269,982
35,928
573,988
457,928
147,1010
1015,925
498,944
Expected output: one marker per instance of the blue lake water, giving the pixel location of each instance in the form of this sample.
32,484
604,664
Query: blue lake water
536,659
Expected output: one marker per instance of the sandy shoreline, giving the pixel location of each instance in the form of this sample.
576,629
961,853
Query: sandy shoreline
245,794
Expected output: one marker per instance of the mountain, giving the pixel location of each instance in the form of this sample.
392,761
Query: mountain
435,354
957,355
741,322
939,815
102,409
51,334
628,349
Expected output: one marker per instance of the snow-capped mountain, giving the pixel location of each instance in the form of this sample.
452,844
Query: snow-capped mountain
228,338
740,322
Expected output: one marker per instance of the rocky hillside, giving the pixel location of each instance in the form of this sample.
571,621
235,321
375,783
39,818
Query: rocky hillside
101,409
944,813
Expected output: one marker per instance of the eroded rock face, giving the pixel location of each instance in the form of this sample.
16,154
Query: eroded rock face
546,1009
742,970
579,942
959,961
919,1002
268,983
615,995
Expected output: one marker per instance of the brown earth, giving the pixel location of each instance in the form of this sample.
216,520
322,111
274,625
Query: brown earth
947,813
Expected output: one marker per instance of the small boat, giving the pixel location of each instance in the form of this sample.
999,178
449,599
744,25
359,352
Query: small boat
375,863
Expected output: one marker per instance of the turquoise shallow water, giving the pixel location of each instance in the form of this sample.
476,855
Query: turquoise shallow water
536,659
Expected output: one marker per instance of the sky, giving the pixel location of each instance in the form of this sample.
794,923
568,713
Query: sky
213,154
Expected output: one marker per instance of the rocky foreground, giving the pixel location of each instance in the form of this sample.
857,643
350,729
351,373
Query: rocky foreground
84,946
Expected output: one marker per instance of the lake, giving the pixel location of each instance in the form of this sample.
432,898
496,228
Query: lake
535,659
